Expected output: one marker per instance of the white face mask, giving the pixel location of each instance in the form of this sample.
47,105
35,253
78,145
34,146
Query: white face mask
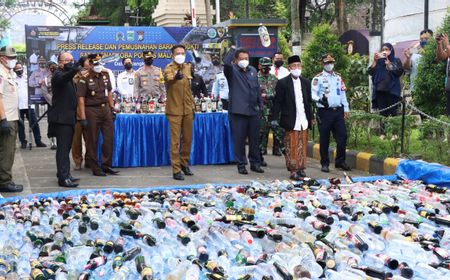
11,63
296,72
243,63
98,68
328,67
179,59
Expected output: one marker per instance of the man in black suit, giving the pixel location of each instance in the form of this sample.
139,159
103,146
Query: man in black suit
293,102
245,105
62,116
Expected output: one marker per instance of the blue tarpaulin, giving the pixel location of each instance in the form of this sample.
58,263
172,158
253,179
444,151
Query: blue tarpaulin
430,173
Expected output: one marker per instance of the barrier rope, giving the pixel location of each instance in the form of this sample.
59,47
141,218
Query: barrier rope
412,107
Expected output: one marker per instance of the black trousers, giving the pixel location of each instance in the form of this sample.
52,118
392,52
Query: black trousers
64,136
384,100
224,104
31,117
448,103
244,127
332,121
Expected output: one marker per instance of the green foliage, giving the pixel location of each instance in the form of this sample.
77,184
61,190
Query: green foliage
20,47
435,140
358,93
393,128
360,128
283,45
146,9
429,94
324,41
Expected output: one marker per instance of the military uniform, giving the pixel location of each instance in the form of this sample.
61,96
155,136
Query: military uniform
96,90
179,112
80,132
328,91
149,82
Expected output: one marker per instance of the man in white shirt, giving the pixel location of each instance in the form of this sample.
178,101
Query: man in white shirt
26,111
277,68
296,117
37,78
414,54
125,80
33,60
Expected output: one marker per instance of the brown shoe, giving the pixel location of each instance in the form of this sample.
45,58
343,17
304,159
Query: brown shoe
77,166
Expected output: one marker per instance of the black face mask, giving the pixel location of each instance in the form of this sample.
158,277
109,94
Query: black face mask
52,69
265,70
19,73
148,61
216,62
198,59
68,66
279,63
129,66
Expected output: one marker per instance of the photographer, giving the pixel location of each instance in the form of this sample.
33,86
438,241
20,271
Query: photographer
386,70
443,53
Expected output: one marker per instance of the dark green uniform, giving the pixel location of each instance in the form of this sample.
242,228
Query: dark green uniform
267,84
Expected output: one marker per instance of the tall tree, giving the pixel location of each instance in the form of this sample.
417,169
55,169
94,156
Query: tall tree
341,15
208,12
295,24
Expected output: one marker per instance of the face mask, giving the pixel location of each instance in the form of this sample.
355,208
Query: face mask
216,62
243,63
328,67
128,66
198,59
41,65
279,63
423,43
148,61
68,66
265,70
179,59
11,63
19,73
296,72
97,68
52,69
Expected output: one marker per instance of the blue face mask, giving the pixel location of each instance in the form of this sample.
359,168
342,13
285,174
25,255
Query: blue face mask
423,43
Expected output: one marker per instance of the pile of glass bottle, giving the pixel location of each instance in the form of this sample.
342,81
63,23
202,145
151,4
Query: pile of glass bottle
272,230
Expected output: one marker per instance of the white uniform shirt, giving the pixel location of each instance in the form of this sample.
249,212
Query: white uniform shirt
8,92
220,86
281,73
22,89
125,83
301,122
33,60
415,58
112,79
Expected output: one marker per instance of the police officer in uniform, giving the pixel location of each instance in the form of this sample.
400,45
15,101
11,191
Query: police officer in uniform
149,80
96,105
267,83
328,91
9,116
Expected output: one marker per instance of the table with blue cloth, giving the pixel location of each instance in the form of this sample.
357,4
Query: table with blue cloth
144,140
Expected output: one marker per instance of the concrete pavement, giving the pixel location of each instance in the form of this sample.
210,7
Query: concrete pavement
36,170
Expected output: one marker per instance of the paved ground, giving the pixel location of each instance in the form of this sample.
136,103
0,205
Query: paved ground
36,170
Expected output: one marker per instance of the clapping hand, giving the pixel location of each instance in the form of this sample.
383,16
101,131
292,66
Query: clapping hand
179,75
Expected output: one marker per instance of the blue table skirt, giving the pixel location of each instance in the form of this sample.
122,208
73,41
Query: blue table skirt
144,140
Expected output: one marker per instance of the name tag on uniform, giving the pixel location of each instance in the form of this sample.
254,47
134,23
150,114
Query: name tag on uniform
131,81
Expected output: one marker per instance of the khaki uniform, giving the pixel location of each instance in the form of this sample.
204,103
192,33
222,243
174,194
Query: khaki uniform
149,83
179,112
10,97
96,88
80,132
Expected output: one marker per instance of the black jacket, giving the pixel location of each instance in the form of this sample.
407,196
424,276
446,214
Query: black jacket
198,86
64,100
244,95
284,103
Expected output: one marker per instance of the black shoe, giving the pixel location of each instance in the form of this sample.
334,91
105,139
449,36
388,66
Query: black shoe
186,170
87,165
242,170
109,170
263,163
67,183
53,147
325,169
178,176
73,179
301,173
343,166
23,145
98,172
256,169
11,187
276,153
294,177
40,145
264,153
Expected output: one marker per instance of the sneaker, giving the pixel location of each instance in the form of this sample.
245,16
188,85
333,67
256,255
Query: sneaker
40,145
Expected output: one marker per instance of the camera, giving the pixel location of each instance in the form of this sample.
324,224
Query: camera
382,55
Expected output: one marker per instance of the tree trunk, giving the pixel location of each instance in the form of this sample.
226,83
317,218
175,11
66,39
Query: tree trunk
295,24
208,13
341,16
